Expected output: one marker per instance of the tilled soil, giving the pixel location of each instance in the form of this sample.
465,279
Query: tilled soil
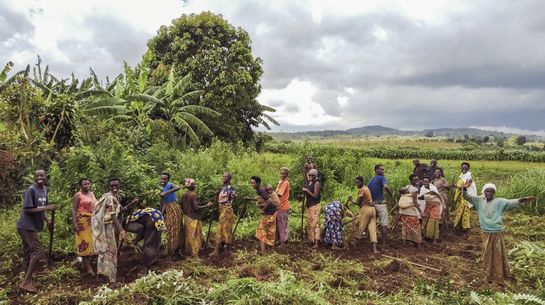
396,268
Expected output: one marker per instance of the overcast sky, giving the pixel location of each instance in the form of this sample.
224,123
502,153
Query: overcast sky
327,64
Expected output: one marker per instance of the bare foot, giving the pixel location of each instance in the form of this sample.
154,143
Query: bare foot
213,254
28,287
335,247
315,246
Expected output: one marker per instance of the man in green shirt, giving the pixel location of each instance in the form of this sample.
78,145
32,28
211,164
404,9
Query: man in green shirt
490,211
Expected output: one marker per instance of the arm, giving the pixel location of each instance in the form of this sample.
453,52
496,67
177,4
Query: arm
49,207
415,203
316,192
387,189
119,228
75,205
195,204
133,202
517,203
359,201
173,189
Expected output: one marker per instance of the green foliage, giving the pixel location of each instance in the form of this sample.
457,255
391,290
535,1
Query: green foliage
394,152
527,183
170,287
527,260
220,60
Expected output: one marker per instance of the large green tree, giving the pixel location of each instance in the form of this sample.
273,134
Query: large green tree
219,58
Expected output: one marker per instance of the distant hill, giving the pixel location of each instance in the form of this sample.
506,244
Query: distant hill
377,131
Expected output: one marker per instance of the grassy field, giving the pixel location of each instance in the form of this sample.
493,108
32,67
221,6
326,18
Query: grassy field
445,274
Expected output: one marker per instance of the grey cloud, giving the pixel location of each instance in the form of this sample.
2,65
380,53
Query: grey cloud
470,59
13,23
291,108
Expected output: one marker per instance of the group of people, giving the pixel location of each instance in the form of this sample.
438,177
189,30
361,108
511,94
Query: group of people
423,206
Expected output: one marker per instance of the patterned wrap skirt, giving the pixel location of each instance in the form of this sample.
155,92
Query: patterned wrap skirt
224,234
266,230
411,228
84,236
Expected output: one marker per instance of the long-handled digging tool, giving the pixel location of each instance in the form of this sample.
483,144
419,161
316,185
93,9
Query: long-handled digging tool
303,216
241,214
51,234
211,218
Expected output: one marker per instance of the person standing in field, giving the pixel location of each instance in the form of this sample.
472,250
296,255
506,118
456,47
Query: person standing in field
420,169
192,218
172,211
312,195
490,211
443,187
30,223
377,185
224,233
83,204
411,229
462,212
306,168
103,221
283,191
367,219
266,230
433,167
434,204
147,224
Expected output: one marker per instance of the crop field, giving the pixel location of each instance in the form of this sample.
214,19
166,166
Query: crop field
447,273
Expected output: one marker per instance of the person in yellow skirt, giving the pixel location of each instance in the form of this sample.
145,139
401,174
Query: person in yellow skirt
224,233
192,218
462,212
83,203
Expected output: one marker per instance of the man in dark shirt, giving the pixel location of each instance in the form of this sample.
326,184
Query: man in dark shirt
421,170
433,167
30,223
377,185
266,231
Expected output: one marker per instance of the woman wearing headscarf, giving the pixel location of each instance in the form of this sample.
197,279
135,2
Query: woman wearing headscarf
462,212
192,218
312,196
434,204
490,211
283,191
410,215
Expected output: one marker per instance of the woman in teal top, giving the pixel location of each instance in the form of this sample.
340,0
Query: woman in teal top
490,211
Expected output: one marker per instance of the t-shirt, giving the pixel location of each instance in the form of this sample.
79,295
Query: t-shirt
283,191
376,186
366,195
491,212
226,195
169,198
34,198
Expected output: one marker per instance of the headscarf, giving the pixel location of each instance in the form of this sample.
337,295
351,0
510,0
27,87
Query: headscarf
313,172
284,170
489,186
188,182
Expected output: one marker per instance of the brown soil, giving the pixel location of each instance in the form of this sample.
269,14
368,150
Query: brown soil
454,259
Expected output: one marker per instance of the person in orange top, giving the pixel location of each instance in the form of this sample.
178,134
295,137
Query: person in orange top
367,219
283,191
83,204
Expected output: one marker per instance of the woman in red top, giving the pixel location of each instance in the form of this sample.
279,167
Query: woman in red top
83,203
